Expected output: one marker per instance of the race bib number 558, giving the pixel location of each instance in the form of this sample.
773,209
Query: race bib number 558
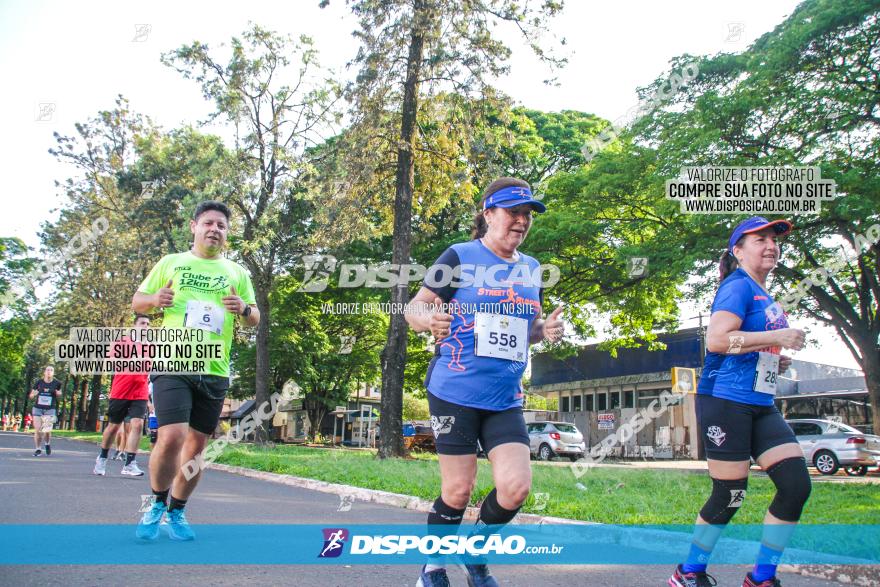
501,336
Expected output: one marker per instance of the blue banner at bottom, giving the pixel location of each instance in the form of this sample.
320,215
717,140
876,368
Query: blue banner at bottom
593,544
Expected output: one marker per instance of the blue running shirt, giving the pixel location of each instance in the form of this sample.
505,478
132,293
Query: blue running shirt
735,375
457,374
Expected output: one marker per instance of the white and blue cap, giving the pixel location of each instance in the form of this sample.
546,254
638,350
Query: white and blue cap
513,196
755,224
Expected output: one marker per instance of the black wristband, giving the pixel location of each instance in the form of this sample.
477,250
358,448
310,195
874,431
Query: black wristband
246,312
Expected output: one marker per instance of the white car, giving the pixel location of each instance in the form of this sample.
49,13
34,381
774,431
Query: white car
550,439
829,445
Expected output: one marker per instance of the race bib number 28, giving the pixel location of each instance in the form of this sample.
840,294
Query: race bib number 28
204,316
766,373
501,336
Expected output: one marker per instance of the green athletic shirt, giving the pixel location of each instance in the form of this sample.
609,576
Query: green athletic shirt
205,280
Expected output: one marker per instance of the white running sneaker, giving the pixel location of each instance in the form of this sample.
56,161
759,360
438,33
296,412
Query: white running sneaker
132,470
100,466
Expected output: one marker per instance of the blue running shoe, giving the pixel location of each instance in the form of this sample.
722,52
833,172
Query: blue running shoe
479,576
436,578
148,527
178,528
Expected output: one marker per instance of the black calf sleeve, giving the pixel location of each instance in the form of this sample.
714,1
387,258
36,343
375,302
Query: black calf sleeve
793,488
443,514
727,496
492,514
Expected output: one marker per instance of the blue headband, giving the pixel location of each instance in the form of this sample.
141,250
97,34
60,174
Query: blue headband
513,196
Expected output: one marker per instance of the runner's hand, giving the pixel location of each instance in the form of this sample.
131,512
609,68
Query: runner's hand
232,302
441,322
784,364
164,298
790,338
554,328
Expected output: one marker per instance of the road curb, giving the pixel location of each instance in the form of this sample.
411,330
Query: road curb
399,500
846,574
860,575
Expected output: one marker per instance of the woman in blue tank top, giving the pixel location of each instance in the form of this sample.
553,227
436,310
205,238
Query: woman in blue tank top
482,302
735,410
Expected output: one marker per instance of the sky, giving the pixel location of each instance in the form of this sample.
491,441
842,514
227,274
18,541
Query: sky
62,62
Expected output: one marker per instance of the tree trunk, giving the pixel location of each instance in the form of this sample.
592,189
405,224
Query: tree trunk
62,403
72,415
94,403
261,381
871,367
394,353
29,375
316,411
83,402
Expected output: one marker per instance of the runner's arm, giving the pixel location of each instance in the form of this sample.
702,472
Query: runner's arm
725,337
536,334
142,302
418,311
253,318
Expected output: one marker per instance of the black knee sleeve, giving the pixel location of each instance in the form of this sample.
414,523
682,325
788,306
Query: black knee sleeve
491,512
793,488
727,496
442,514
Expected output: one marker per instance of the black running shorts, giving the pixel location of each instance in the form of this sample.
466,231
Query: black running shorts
457,428
196,400
733,431
125,409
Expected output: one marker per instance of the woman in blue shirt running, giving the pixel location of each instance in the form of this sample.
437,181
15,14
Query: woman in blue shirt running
482,302
735,409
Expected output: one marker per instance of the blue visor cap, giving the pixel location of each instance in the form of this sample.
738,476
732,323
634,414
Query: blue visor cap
513,196
754,224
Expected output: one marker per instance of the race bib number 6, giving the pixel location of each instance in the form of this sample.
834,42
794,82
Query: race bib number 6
204,316
766,373
501,336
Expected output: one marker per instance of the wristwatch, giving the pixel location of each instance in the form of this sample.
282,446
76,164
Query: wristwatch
247,311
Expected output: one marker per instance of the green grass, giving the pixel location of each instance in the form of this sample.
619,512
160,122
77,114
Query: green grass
94,437
610,495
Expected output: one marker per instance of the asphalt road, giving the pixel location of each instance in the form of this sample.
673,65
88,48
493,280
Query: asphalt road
62,490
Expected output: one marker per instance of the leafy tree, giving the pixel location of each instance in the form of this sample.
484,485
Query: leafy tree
802,94
410,50
274,123
415,408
